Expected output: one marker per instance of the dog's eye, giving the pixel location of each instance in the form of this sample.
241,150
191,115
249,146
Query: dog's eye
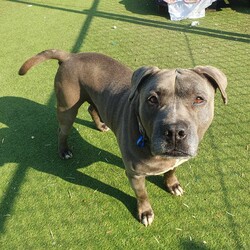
198,100
153,100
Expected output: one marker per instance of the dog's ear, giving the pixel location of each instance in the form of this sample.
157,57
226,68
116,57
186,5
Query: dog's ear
139,76
216,77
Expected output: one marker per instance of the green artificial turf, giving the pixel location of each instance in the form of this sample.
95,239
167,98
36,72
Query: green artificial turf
86,202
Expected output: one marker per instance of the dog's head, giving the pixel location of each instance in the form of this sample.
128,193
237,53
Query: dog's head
175,107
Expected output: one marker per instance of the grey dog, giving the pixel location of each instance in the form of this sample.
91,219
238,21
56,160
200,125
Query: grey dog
159,116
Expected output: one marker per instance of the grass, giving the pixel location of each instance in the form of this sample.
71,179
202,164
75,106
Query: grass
87,203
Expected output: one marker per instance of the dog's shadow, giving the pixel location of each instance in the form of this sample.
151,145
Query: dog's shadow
27,139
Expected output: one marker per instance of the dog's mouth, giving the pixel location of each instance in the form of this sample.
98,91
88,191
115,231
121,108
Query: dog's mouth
175,153
161,148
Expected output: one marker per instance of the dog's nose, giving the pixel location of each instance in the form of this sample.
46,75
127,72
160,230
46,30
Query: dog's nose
176,132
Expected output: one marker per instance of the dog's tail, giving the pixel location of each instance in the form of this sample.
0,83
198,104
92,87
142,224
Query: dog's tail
59,55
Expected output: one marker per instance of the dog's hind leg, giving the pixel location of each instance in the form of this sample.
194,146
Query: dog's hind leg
69,100
66,119
97,120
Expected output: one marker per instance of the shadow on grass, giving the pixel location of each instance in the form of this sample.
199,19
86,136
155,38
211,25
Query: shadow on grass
192,245
164,25
84,30
144,7
27,141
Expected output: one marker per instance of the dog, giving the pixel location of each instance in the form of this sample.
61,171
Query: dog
159,116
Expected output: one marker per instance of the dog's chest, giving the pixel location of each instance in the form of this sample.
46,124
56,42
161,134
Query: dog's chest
159,165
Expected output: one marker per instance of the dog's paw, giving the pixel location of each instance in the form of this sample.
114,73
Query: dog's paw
172,184
66,154
147,217
175,189
103,127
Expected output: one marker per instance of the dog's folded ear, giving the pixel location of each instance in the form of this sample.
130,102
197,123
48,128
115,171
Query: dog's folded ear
216,77
140,76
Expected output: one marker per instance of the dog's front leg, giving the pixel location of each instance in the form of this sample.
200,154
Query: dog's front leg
172,184
145,211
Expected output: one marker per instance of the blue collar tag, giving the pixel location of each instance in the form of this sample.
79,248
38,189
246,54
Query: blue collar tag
140,142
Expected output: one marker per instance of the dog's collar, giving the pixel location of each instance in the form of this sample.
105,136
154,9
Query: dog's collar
142,137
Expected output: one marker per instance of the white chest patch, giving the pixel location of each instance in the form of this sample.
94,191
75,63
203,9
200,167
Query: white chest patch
179,162
164,170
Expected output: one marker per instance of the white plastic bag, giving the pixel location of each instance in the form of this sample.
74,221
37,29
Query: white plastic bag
182,9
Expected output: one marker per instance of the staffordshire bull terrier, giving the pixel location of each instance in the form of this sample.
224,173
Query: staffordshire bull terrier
159,116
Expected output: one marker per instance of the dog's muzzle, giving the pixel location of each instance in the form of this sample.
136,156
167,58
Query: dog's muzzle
174,140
